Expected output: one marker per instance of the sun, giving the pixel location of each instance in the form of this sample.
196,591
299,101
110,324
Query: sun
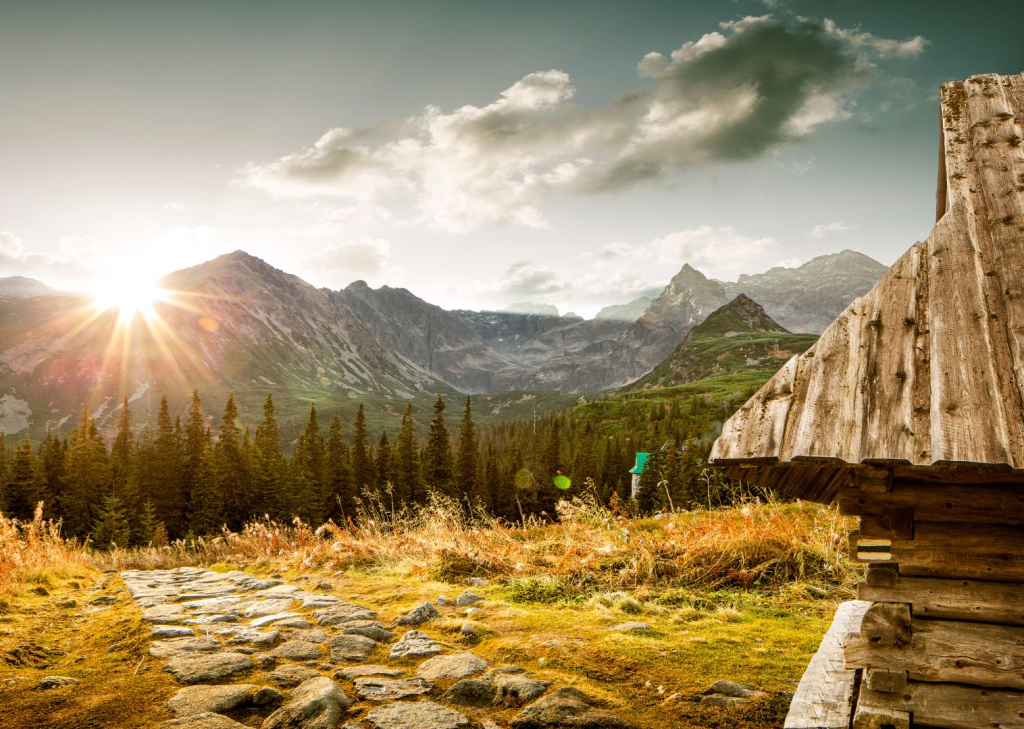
129,297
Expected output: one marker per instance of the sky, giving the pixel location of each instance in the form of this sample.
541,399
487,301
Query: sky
476,153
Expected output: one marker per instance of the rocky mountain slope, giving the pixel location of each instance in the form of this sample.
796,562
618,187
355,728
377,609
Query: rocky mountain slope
23,286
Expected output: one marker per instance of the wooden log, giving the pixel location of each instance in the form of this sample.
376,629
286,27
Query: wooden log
872,480
949,651
999,503
875,717
889,523
887,623
824,697
885,679
931,597
950,706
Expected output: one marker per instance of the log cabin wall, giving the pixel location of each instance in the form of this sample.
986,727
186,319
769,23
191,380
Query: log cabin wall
942,644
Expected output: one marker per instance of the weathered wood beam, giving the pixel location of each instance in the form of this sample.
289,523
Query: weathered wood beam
872,480
885,679
887,623
874,717
949,651
951,706
971,502
931,597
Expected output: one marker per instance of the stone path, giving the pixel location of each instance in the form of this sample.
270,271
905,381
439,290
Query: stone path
247,649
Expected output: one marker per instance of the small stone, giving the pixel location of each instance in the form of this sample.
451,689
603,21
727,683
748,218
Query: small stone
267,696
457,665
299,623
472,611
351,647
202,721
291,675
66,602
255,637
350,674
441,600
318,703
201,699
476,582
375,688
470,692
267,608
247,650
264,661
373,632
298,650
415,644
567,707
734,690
170,631
630,627
313,635
469,630
213,618
324,586
103,600
53,682
419,615
199,668
113,648
423,714
468,598
519,690
268,619
495,673
343,613
723,702
354,725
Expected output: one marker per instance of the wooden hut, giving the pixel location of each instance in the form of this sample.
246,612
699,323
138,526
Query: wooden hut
910,412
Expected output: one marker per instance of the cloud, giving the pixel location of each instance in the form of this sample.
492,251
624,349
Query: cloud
174,207
739,93
527,280
820,231
10,246
76,256
365,258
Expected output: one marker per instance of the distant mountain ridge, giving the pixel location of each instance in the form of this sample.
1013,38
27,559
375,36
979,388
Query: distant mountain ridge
24,286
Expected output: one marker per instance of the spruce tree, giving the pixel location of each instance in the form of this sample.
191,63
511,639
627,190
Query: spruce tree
88,478
199,479
232,468
437,457
385,463
268,469
308,472
551,466
364,472
121,452
147,524
52,473
466,485
111,528
408,483
23,492
162,473
648,496
339,504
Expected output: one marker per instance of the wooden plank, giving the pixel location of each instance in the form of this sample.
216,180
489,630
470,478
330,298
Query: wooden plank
824,697
874,717
980,654
951,706
972,502
930,597
885,679
873,480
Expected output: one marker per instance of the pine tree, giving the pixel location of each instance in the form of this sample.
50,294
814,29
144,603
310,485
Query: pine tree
232,468
551,466
364,472
121,452
111,527
491,484
437,457
408,484
339,504
308,472
161,475
385,464
466,484
88,478
268,467
199,481
23,492
52,473
147,525
648,496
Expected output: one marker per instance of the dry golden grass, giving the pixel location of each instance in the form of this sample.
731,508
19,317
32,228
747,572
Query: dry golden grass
31,551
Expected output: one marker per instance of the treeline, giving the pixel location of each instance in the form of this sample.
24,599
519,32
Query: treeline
176,478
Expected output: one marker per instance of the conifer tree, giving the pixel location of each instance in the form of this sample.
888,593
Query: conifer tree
161,476
121,452
408,483
339,504
384,464
148,523
5,459
648,498
52,473
199,480
364,472
437,457
551,466
23,492
232,468
308,472
111,527
491,484
268,469
466,458
88,478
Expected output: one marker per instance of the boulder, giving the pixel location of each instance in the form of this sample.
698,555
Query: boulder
376,688
470,692
468,598
415,644
518,690
291,675
318,703
203,667
419,615
53,682
351,647
423,714
267,696
343,613
455,666
298,650
567,707
193,700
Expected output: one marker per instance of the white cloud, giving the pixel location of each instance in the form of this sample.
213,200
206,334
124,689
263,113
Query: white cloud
734,94
10,246
365,258
714,251
825,229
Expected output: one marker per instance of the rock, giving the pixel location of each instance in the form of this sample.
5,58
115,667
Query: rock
193,700
476,582
247,650
318,703
631,627
103,600
314,635
324,586
351,647
734,690
298,650
164,614
355,672
182,646
423,714
268,619
170,631
202,721
495,673
457,665
53,682
567,707
472,611
191,669
469,630
291,675
66,602
441,600
518,690
723,702
267,608
373,632
264,660
257,638
213,618
375,688
300,623
470,692
267,696
419,615
354,725
343,613
113,648
415,644
468,598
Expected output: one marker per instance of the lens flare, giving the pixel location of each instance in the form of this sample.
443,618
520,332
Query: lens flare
562,482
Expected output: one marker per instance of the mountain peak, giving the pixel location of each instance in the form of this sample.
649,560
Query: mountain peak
740,315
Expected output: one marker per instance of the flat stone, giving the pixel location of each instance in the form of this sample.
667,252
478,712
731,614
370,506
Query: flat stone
170,631
209,605
415,644
53,682
318,703
734,690
300,623
724,702
423,714
213,618
631,627
291,675
260,639
268,619
313,635
182,646
251,583
454,666
376,688
193,700
202,667
279,590
164,614
202,721
373,632
567,707
298,650
319,601
267,608
468,598
103,600
518,690
420,614
343,613
351,647
470,692
355,672
267,696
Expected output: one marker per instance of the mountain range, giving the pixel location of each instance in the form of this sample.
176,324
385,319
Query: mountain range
240,325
